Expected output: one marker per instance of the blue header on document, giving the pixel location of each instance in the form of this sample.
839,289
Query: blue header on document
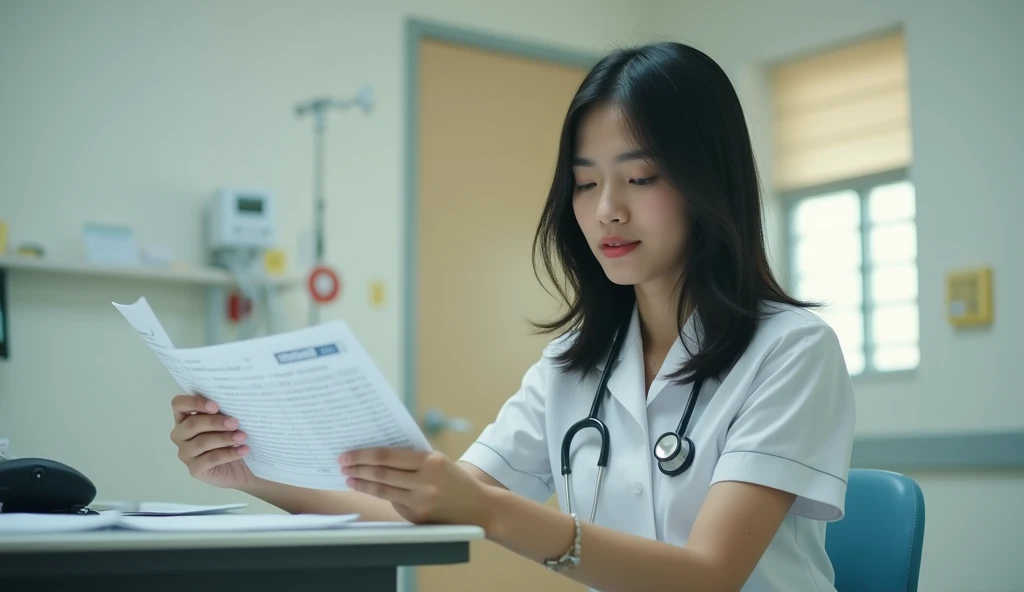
306,353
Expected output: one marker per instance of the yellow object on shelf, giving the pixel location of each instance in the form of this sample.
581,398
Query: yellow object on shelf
969,297
274,261
30,250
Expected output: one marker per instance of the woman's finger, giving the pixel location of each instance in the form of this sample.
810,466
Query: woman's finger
199,424
385,475
379,490
219,456
397,458
185,405
204,443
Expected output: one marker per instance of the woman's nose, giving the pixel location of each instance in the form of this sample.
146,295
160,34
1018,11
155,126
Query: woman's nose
610,208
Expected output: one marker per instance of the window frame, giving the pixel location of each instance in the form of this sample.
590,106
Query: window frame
862,186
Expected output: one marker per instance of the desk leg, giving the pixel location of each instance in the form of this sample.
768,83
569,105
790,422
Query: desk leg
362,579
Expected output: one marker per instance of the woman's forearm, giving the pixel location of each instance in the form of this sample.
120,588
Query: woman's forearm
610,560
299,500
735,525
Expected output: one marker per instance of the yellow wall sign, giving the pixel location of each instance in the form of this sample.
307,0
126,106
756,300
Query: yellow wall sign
969,297
377,293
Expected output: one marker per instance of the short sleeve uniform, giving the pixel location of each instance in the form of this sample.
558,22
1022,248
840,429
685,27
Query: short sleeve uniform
782,417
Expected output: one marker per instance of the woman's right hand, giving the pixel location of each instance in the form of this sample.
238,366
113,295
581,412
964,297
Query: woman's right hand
210,443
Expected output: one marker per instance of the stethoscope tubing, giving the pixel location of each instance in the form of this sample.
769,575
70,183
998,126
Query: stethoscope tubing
592,421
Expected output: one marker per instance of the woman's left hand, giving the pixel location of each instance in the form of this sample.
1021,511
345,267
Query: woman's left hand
422,486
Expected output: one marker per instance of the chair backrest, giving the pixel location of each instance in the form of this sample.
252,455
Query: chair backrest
876,547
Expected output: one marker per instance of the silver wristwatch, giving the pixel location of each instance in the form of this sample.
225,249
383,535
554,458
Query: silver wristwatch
572,556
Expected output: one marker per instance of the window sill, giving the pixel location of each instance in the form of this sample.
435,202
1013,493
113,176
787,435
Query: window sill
880,376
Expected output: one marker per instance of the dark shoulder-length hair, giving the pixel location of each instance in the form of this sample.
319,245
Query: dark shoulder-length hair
686,116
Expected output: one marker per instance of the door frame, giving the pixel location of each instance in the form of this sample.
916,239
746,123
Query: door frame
417,30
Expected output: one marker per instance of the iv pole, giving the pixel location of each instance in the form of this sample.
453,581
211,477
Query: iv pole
318,107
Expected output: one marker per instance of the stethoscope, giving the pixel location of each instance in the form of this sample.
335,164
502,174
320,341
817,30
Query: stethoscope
673,451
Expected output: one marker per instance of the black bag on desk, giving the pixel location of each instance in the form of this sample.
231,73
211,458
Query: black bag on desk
43,486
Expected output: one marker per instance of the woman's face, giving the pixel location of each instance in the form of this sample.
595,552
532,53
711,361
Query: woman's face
633,220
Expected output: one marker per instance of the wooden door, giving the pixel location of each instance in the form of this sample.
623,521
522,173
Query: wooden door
488,136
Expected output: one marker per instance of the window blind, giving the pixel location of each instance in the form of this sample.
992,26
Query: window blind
841,114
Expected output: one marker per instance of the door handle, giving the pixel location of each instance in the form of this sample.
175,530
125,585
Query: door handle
435,422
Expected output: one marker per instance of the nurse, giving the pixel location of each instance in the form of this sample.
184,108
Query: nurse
726,406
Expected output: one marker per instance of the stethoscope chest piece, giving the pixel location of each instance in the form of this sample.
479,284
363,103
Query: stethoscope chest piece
674,453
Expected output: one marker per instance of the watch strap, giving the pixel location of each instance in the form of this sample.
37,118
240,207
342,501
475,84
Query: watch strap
571,558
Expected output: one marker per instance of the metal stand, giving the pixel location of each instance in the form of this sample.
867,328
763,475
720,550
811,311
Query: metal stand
318,108
5,336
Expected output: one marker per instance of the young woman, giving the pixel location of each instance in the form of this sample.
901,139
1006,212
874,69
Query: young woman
725,406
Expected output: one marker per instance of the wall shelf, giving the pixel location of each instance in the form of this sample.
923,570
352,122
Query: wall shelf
201,276
214,280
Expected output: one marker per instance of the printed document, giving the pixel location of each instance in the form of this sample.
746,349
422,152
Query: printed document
302,398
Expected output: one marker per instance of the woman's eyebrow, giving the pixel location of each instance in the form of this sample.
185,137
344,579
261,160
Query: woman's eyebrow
632,155
624,157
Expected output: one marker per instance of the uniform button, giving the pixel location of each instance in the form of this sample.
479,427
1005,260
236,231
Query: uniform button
637,487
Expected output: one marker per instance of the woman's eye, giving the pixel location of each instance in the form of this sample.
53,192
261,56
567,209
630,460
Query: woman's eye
585,186
643,181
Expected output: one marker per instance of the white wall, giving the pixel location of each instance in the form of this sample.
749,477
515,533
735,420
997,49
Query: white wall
133,112
966,92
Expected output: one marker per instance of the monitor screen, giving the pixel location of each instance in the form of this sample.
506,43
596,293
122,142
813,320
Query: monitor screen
250,204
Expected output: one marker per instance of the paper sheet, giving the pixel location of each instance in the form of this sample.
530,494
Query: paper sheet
236,522
163,508
142,319
18,523
168,509
302,398
24,523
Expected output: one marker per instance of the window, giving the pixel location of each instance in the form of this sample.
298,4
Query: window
853,248
842,151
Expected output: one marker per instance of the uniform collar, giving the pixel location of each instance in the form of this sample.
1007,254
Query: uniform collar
681,351
626,382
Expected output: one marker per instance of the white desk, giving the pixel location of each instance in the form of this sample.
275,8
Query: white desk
358,558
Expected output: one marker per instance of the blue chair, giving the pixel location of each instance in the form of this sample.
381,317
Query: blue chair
876,547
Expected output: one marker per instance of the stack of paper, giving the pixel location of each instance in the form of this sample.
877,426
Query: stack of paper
163,508
302,398
235,522
16,523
